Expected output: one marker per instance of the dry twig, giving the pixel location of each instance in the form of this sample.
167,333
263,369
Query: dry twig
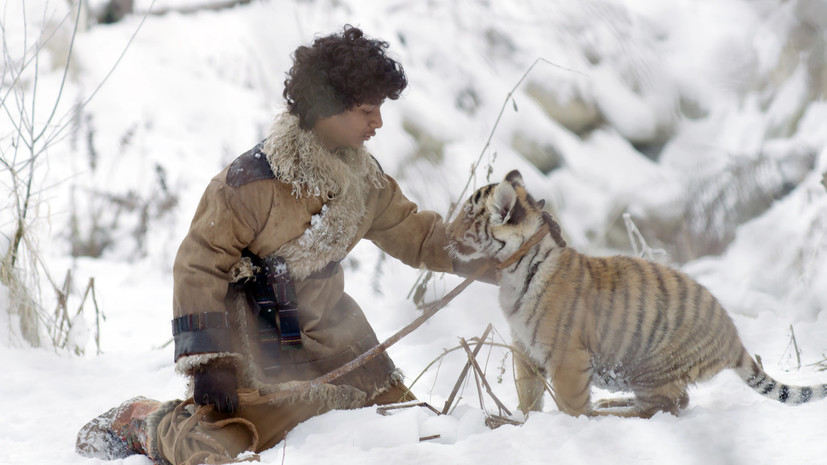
495,421
794,343
464,371
386,409
478,371
820,365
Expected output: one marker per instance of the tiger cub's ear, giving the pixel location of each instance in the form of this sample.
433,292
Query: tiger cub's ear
502,203
515,178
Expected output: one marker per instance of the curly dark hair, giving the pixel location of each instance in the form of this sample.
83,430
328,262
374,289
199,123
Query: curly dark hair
339,72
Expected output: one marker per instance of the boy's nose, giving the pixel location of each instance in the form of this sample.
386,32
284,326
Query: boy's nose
376,121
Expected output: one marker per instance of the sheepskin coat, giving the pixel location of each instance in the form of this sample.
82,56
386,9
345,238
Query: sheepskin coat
290,197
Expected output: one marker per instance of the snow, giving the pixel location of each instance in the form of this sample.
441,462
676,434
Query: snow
703,82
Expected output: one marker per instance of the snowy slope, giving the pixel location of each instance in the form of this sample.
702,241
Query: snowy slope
699,84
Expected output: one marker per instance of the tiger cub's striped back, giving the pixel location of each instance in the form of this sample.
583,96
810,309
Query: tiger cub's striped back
620,323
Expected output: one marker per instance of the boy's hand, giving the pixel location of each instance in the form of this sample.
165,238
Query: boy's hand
217,387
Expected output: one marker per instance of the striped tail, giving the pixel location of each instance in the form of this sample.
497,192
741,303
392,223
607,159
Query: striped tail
764,384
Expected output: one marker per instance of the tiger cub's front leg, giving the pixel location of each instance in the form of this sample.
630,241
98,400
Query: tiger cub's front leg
530,381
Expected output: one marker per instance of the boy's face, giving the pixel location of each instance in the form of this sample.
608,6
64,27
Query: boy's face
350,128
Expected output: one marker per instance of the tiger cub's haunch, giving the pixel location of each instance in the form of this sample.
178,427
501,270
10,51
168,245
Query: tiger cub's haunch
619,323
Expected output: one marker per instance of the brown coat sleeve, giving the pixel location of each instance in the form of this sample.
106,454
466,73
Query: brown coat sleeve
226,221
417,238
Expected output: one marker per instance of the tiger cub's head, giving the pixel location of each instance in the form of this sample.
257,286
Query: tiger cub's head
496,220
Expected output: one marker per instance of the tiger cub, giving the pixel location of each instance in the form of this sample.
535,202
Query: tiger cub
619,323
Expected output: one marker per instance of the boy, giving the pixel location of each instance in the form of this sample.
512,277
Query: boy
258,288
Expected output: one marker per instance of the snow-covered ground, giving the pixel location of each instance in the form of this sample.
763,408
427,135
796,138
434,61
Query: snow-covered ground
705,85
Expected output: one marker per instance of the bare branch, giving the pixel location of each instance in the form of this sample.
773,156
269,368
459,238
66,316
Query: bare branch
508,98
67,119
464,371
25,62
63,77
481,374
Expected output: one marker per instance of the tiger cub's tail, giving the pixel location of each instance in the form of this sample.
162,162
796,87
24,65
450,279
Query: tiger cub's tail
764,384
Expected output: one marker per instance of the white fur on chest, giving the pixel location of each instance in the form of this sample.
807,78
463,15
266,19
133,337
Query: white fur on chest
521,303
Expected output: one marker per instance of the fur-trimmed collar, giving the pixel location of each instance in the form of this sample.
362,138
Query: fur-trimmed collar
298,157
342,180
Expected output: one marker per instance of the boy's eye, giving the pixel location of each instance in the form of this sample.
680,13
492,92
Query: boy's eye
368,108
